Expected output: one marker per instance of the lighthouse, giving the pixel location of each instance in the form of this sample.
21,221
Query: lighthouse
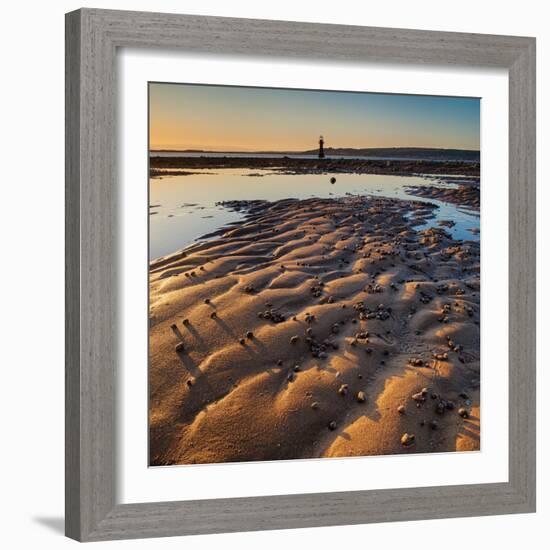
321,150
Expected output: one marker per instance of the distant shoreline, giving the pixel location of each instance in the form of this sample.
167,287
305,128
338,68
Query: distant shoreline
176,165
408,153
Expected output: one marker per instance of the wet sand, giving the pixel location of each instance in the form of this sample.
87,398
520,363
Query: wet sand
464,195
315,328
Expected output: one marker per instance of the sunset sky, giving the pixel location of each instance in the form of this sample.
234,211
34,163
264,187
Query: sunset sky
224,118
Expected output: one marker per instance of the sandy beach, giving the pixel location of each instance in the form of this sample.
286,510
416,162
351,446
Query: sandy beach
321,327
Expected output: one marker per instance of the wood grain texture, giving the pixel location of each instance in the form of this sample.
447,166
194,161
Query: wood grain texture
92,38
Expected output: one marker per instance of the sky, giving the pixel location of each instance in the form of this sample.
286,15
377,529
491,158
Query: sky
226,118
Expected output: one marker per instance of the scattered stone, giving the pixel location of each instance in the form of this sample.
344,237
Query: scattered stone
315,405
361,397
294,339
207,300
333,180
416,362
185,321
250,335
418,397
332,425
401,409
180,347
407,439
242,341
463,413
343,389
213,315
433,424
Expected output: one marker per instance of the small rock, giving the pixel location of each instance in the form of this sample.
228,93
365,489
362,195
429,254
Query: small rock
418,397
294,339
407,439
180,347
401,409
333,180
332,425
250,335
242,341
343,389
463,413
361,397
185,321
213,315
433,424
315,405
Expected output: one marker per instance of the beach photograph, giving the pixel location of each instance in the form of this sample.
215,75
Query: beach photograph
314,274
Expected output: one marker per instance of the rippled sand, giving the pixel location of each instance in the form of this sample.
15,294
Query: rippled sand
315,328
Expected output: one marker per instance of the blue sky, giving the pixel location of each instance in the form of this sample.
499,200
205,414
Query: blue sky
184,116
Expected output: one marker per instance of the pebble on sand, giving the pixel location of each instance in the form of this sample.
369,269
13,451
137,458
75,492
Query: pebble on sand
250,335
315,405
401,409
332,425
294,339
361,397
333,180
343,389
407,439
463,413
180,347
418,397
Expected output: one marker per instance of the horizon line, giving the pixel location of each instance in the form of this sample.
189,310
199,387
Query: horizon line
198,150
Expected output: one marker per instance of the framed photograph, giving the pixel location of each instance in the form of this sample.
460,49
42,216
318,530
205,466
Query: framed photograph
300,275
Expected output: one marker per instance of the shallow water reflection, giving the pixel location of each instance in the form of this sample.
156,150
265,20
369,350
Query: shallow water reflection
183,208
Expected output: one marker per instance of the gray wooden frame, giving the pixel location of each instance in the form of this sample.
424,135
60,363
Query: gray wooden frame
92,39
